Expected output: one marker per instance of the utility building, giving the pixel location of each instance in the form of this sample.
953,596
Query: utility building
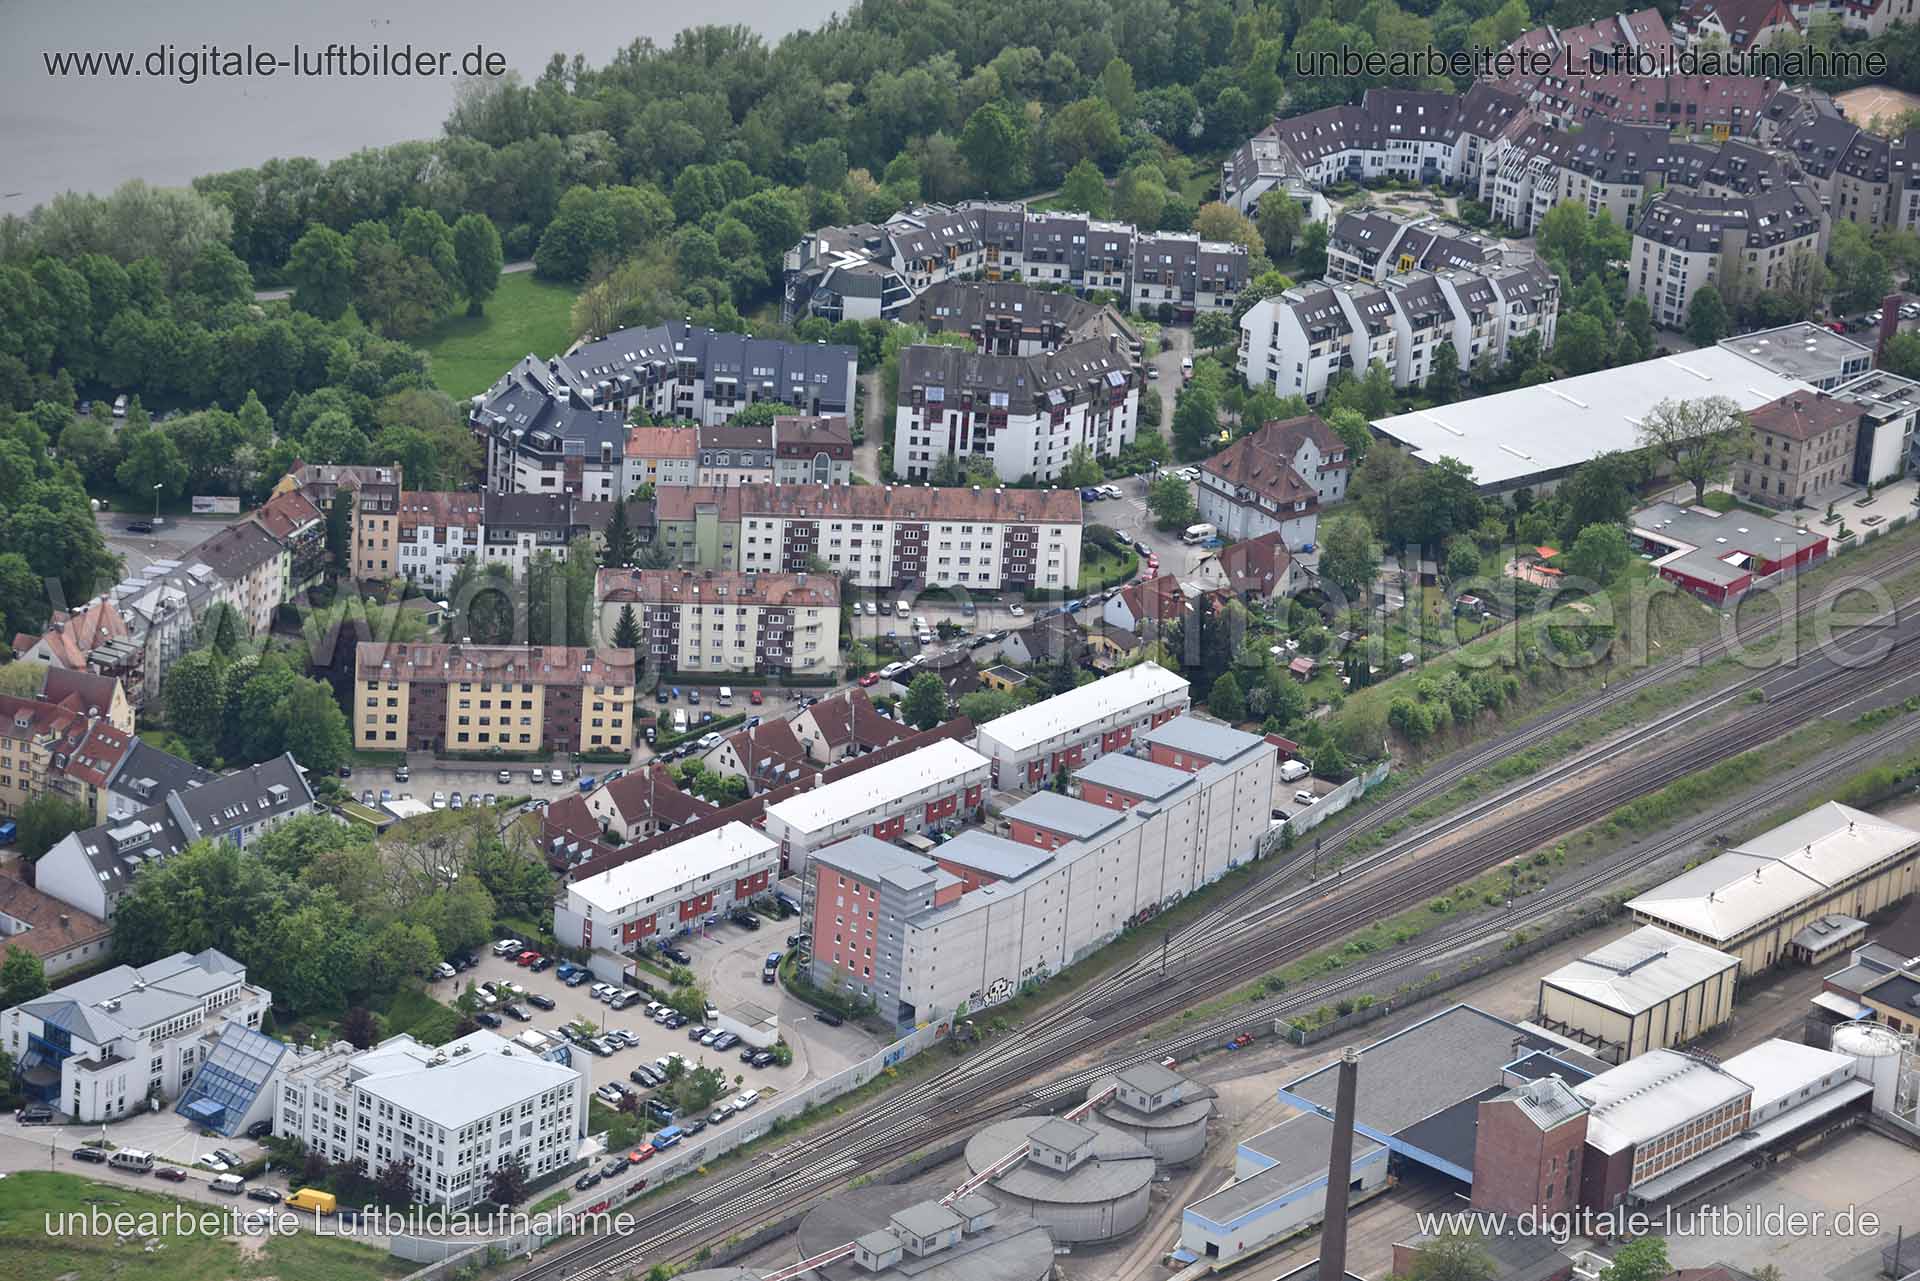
1648,990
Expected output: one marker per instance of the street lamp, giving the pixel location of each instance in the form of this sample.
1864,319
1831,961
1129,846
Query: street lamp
156,504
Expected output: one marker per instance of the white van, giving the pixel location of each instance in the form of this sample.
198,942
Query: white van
231,1184
132,1159
679,720
120,406
900,608
726,696
1198,533
1292,770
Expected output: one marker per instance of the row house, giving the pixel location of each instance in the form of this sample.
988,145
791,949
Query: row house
1026,415
251,572
1030,745
941,785
374,555
866,271
721,621
670,892
461,699
1298,341
99,638
435,533
659,456
901,537
299,524
1372,245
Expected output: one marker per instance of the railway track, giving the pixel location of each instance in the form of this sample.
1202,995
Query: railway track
1256,928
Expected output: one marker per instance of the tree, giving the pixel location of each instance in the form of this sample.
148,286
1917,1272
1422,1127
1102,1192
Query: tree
1600,491
311,725
926,701
626,632
1581,345
1706,317
1171,502
1861,275
1214,329
1443,378
1281,220
394,1184
1598,553
22,977
1902,354
152,462
477,258
222,630
1116,86
340,531
195,695
1701,438
618,553
995,150
1641,1260
1084,189
321,272
1450,1256
1196,418
1082,468
1349,556
508,1182
361,1027
46,820
1311,256
1226,701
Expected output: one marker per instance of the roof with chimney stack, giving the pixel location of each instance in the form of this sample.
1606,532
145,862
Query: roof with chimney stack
41,923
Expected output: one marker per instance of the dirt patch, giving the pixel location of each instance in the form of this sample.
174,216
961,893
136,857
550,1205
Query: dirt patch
1862,105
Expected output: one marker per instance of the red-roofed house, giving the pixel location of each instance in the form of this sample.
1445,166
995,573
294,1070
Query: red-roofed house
93,638
767,756
1801,447
91,694
1275,480
1739,24
61,935
847,725
1254,570
640,803
293,518
1145,605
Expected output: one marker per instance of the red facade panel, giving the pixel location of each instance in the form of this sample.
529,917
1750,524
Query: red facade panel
698,905
748,886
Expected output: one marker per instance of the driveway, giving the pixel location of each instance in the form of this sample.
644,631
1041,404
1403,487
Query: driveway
171,540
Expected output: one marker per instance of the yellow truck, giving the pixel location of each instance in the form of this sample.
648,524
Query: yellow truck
313,1199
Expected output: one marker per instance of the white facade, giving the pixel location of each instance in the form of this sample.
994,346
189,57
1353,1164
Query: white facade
454,1113
955,551
942,780
97,1047
665,892
1034,444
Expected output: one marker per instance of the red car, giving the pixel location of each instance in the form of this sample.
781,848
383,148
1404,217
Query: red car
754,696
870,679
171,1173
642,1153
526,958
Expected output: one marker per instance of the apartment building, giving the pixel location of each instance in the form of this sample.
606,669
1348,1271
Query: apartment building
1026,415
815,450
734,454
493,698
1012,318
726,620
1372,245
251,570
435,533
63,749
374,555
1275,480
1889,407
942,783
172,804
866,271
972,921
99,1048
670,891
659,456
905,537
517,527
1297,341
452,1114
1803,448
1029,746
1685,241
298,524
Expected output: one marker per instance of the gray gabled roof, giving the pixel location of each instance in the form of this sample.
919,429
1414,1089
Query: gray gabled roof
147,773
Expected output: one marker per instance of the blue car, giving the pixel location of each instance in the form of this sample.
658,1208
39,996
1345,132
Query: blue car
1089,495
586,782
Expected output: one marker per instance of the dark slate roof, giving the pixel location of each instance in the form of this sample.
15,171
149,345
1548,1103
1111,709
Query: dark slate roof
242,798
237,550
1075,373
147,773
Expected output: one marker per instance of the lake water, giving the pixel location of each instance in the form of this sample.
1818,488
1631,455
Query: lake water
91,132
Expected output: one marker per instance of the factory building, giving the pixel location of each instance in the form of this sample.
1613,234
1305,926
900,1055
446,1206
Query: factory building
1754,899
922,1231
1082,1182
1648,990
1279,1190
1157,1106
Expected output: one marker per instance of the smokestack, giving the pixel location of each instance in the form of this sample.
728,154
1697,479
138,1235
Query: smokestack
1333,1236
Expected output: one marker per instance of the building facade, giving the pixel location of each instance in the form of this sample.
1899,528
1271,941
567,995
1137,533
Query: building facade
1064,732
493,698
726,621
670,891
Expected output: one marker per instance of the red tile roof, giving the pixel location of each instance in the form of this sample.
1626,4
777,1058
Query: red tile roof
1803,415
287,513
533,664
1257,564
55,926
1263,461
716,586
1155,600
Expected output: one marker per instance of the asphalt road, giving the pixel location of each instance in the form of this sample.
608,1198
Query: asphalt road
175,536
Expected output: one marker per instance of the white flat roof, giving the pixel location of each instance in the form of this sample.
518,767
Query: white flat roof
1064,713
1774,873
1640,970
1643,1098
466,1087
1509,436
943,761
1777,1068
665,870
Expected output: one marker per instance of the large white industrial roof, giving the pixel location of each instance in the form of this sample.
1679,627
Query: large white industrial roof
941,761
1772,874
1063,713
460,1088
1639,970
686,863
1507,437
1643,1098
1777,1068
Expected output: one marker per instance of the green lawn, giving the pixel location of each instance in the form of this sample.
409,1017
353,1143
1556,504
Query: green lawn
526,317
1101,568
36,1247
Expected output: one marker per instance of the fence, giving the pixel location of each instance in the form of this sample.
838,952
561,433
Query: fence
1338,799
690,1155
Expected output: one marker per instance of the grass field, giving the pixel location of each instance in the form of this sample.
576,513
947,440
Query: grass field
33,1247
526,316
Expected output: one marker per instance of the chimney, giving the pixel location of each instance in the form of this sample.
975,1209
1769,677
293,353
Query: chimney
1333,1235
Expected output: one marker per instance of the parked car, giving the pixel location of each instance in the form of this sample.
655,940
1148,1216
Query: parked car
208,1161
577,978
746,917
439,800
1304,797
679,955
504,776
540,963
93,1156
616,1166
505,946
761,1058
1017,610
444,971
171,1173
456,801
270,1195
693,696
487,1018
537,776
725,1041
755,697
260,1129
540,1001
520,1012
139,527
719,1115
35,1114
829,1018
587,1180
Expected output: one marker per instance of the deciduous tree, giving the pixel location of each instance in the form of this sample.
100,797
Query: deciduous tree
1700,438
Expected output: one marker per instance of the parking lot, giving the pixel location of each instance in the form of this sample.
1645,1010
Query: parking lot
168,1135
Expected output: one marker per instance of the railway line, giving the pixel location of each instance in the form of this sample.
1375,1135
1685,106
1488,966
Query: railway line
1257,928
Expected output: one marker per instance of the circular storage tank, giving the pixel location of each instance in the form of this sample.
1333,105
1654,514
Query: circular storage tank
1878,1051
1082,1181
1175,1131
1013,1248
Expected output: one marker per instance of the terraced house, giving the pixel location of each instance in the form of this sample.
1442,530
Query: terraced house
727,621
492,698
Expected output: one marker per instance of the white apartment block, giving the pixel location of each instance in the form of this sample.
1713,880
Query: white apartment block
453,1113
1275,480
669,891
96,1048
1685,241
1028,746
436,533
943,782
1024,414
901,536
